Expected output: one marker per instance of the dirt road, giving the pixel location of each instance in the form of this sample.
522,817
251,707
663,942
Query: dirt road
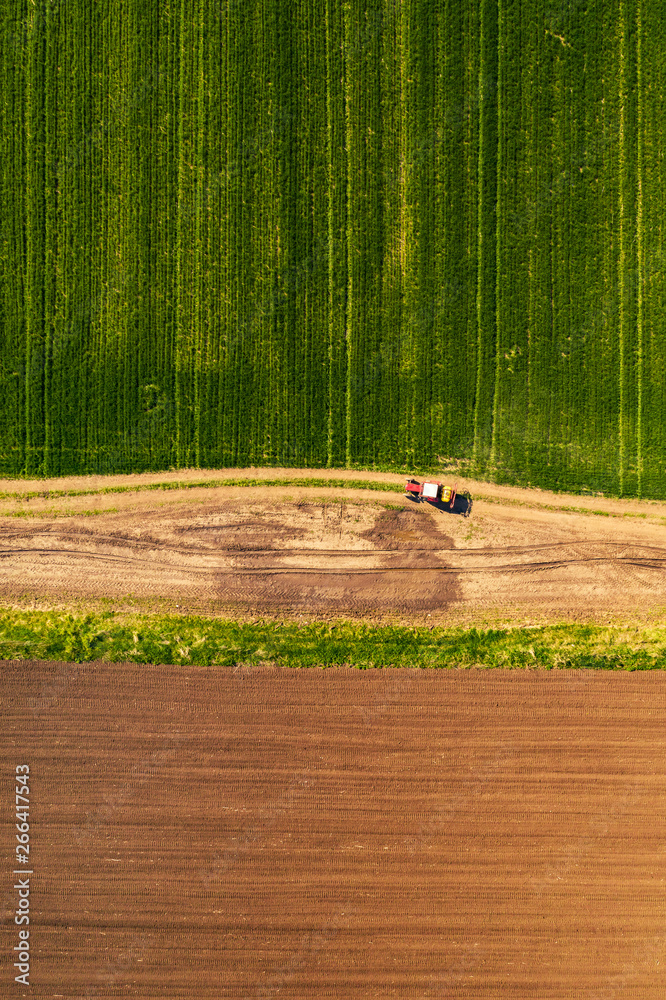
264,833
520,555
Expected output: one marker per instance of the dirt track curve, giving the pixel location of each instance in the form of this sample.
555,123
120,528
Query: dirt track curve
257,833
332,552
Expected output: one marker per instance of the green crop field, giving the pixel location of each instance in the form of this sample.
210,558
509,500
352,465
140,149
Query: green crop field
359,233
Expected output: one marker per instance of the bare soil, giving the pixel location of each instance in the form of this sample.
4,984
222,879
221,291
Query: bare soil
518,556
261,833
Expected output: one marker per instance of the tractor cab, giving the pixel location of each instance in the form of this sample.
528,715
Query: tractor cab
432,490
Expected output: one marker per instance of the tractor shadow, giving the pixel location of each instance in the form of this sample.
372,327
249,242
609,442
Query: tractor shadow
462,505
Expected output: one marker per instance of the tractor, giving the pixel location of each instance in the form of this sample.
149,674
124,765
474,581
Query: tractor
432,490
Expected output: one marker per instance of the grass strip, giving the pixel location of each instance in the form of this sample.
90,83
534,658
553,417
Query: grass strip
192,640
58,513
536,505
352,484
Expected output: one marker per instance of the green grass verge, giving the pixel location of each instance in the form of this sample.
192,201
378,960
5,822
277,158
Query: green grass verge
53,635
558,508
350,484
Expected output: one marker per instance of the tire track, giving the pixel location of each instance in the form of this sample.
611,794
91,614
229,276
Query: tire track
156,545
540,565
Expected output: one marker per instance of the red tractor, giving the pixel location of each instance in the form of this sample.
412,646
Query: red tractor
432,490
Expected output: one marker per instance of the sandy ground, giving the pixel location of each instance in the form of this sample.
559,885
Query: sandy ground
261,833
505,555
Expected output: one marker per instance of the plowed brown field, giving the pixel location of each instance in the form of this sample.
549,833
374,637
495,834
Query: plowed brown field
260,833
519,556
